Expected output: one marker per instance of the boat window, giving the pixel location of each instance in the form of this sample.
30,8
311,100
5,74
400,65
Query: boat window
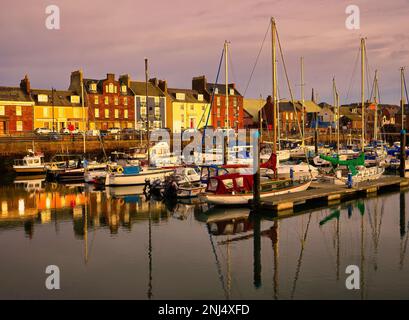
212,185
228,183
240,182
212,172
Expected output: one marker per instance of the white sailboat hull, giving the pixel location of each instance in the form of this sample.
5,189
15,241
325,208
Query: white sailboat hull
118,179
237,199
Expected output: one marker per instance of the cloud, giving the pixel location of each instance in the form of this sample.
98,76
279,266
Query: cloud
184,38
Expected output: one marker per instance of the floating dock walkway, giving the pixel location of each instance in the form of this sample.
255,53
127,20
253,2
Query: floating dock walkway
320,194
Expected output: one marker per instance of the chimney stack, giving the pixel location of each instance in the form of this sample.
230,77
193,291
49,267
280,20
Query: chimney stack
111,76
75,81
199,84
154,81
125,79
163,85
25,85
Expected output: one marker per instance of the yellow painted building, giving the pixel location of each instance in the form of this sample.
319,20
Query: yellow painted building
58,109
186,109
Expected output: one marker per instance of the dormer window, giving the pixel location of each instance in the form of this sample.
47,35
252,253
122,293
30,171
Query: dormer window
75,99
200,97
93,87
216,90
231,92
123,89
180,96
42,98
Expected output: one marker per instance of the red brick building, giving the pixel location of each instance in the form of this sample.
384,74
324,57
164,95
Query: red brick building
110,102
218,107
16,109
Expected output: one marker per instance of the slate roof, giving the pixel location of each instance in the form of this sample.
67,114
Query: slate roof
221,88
190,95
61,97
139,89
13,94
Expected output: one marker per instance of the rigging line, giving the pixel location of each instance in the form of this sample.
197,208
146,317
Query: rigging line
353,74
406,89
368,70
298,269
212,99
232,66
219,270
293,101
257,58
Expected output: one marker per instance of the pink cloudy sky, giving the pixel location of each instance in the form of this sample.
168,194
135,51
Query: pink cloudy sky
184,38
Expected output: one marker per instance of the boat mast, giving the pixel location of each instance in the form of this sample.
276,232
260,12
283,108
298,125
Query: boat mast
83,112
147,111
336,106
226,44
375,133
363,92
302,100
402,97
274,83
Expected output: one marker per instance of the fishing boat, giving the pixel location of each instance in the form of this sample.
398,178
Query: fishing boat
33,163
237,189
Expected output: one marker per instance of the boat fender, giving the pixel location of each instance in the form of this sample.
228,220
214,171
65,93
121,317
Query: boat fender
120,169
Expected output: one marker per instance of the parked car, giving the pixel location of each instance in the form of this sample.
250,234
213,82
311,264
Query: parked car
114,130
93,133
42,131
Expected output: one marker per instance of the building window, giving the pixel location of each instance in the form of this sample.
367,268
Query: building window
2,111
96,113
200,97
218,112
231,92
106,100
156,101
116,101
19,125
96,100
115,89
123,89
157,112
143,99
75,99
203,108
192,107
182,107
235,102
125,101
116,113
126,114
106,89
219,123
106,113
218,101
143,111
111,88
18,111
45,112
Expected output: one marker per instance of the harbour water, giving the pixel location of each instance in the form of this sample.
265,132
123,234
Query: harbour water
115,244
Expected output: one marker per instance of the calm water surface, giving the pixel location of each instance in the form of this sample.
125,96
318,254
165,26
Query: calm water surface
108,244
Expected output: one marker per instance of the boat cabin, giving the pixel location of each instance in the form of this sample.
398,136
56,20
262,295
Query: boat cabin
230,183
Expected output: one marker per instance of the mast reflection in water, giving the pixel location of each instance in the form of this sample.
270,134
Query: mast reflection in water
115,244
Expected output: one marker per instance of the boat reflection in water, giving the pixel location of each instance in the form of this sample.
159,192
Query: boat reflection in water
135,247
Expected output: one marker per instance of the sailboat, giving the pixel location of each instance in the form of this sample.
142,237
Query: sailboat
354,167
127,174
237,188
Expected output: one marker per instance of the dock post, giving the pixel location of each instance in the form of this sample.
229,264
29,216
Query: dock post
402,218
349,182
402,153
